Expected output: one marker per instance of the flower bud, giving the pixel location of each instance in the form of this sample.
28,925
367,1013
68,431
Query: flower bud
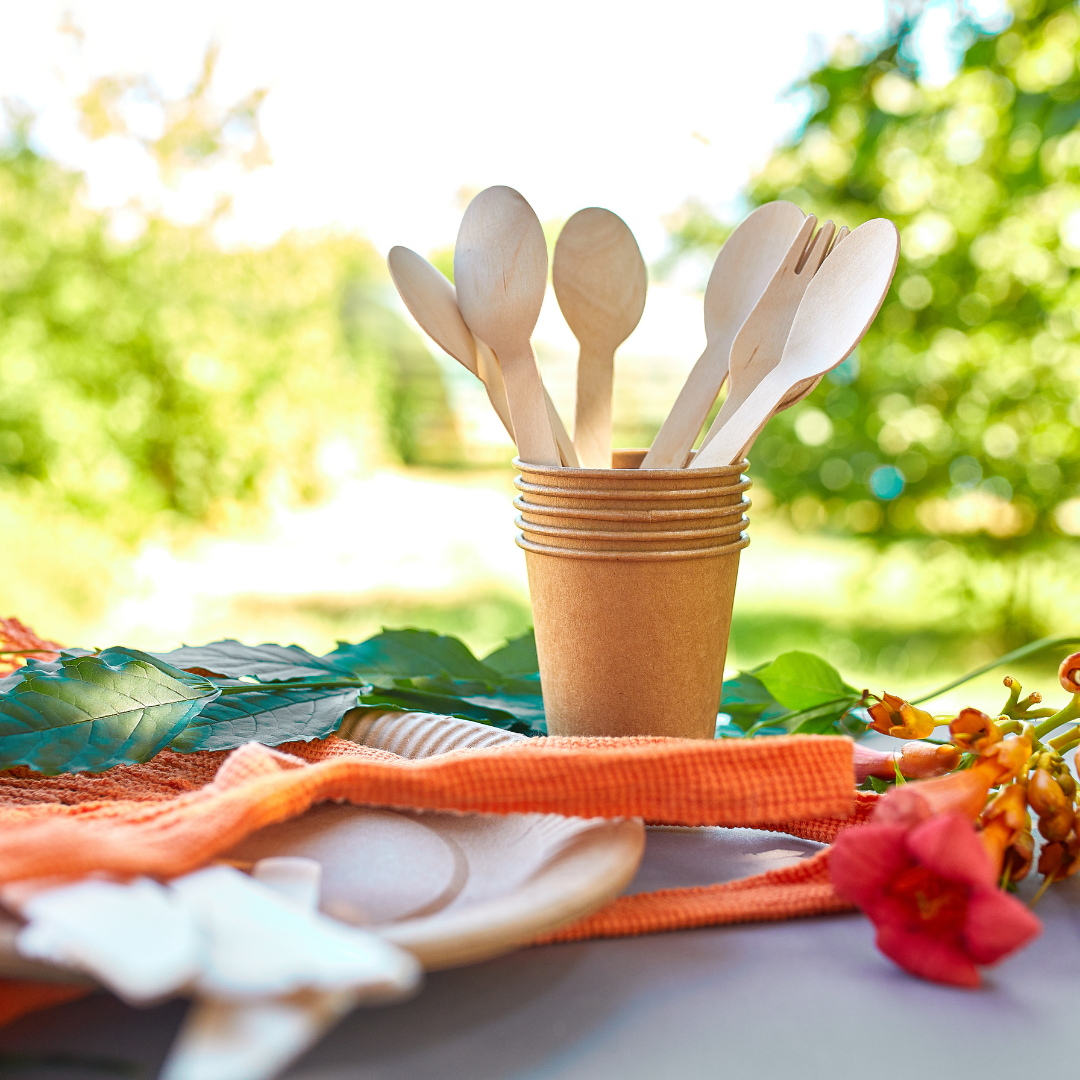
1019,856
1010,805
1066,782
1006,833
1058,825
1060,859
1004,761
1069,673
896,717
920,760
958,793
974,730
1046,796
915,760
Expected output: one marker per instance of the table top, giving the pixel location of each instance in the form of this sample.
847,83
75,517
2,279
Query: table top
803,999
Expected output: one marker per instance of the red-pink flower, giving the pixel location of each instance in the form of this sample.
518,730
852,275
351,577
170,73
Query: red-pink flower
931,891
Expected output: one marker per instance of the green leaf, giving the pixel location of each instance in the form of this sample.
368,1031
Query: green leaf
88,713
800,680
516,657
267,663
747,702
467,708
519,699
818,725
271,717
409,654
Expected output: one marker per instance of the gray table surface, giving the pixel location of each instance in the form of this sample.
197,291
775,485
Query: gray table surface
808,998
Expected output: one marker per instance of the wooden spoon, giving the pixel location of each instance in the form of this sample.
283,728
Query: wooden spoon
432,301
742,270
759,345
500,267
600,282
802,390
836,311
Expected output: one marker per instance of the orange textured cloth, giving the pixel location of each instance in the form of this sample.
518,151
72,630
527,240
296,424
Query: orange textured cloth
177,812
18,997
788,893
56,826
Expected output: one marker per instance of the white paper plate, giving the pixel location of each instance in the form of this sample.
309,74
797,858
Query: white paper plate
453,889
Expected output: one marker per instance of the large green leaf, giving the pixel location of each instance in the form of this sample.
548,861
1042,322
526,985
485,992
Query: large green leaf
267,663
516,657
480,708
88,713
800,680
746,700
409,654
271,717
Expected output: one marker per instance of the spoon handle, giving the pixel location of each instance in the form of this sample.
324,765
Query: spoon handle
592,412
673,442
744,425
487,367
528,411
567,450
492,377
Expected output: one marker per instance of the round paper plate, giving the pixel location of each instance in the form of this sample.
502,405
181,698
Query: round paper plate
451,888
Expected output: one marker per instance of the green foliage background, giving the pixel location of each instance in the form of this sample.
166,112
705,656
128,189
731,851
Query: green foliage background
967,388
165,375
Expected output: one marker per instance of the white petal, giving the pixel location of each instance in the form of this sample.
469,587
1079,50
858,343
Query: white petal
261,945
132,937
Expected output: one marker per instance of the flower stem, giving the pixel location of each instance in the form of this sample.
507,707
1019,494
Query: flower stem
1063,716
1047,882
1016,654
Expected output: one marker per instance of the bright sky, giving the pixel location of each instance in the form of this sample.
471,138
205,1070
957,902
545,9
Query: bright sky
379,114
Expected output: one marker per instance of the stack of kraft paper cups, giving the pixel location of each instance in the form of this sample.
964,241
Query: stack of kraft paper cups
632,575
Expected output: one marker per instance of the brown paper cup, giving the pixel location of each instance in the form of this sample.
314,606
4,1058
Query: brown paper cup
632,576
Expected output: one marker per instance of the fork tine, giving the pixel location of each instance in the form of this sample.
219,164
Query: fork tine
796,254
816,249
825,235
843,231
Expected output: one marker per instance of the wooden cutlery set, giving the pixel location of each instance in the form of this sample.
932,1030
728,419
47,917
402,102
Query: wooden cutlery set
786,302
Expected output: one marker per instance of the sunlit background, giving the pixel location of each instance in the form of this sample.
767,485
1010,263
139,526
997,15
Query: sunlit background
217,419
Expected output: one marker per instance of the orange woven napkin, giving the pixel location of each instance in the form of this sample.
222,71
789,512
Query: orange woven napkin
179,811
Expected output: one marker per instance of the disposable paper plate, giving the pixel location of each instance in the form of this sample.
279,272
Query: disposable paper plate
453,889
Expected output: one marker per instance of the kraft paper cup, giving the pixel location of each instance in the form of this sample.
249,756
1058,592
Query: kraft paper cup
632,576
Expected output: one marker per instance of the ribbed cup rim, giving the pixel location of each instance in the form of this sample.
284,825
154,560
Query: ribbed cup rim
650,515
632,537
631,494
607,474
633,556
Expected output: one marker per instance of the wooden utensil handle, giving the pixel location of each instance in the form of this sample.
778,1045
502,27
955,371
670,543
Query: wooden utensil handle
674,441
744,425
567,450
592,412
491,376
528,411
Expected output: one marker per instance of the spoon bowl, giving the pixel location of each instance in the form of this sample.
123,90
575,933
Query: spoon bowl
600,283
432,302
837,309
741,273
500,267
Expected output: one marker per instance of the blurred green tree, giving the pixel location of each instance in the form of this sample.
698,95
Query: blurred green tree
162,374
958,415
